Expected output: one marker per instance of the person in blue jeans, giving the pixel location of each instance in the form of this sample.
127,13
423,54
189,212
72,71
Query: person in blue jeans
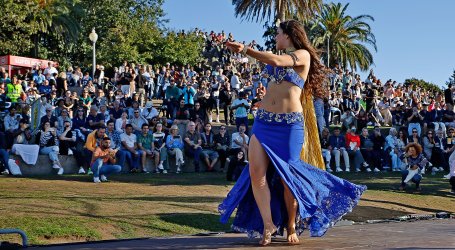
415,161
241,106
133,154
103,161
4,158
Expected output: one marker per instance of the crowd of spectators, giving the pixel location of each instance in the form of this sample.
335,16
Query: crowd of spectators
162,111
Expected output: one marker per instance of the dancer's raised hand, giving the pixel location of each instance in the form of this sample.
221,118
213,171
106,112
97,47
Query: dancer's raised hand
235,47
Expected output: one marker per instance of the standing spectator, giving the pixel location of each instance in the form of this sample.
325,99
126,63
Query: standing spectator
415,162
188,95
209,153
222,140
241,106
175,145
132,154
226,96
14,90
172,96
101,157
448,95
193,144
48,145
337,147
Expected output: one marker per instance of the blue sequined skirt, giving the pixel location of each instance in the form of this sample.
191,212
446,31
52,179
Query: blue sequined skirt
322,197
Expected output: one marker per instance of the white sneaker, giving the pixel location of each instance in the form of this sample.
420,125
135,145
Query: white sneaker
157,171
441,169
70,152
347,170
56,166
447,176
178,170
160,167
339,169
60,171
96,180
81,170
165,171
103,178
376,170
357,170
365,164
228,160
328,169
6,172
434,169
368,170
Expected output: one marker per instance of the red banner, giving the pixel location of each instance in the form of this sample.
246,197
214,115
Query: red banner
23,61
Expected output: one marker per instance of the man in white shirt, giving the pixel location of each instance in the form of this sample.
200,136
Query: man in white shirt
239,142
50,70
133,155
137,120
235,82
149,112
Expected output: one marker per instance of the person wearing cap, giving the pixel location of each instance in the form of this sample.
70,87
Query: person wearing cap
64,117
149,112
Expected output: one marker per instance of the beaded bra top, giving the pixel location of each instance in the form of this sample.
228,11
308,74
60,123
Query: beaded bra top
279,74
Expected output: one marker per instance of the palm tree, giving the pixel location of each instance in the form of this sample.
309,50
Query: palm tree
280,9
55,17
345,37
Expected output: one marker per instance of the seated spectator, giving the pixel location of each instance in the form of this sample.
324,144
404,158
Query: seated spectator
94,119
362,119
116,111
193,144
132,153
182,114
325,134
116,142
49,117
337,146
136,121
23,135
103,111
439,156
415,163
145,143
64,117
133,107
175,145
48,145
367,150
120,123
414,137
223,141
149,112
353,148
45,88
384,109
103,156
347,120
86,100
159,141
4,157
79,121
392,148
414,119
93,140
209,153
239,142
11,123
452,173
67,145
236,166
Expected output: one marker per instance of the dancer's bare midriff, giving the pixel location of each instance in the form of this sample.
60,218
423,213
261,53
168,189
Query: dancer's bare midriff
282,98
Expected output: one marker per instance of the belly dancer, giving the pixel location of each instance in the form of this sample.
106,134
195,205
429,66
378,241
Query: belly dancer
284,186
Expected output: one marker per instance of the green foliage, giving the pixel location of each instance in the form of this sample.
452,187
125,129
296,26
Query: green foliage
423,84
451,79
269,36
347,37
130,30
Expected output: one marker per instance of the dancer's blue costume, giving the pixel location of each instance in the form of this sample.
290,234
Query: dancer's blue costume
322,198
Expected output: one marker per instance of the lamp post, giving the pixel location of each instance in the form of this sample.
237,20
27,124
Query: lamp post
328,51
93,37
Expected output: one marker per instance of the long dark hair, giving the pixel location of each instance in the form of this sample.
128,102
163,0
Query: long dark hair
316,79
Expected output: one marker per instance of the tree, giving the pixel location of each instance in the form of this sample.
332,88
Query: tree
451,79
423,84
345,37
276,9
269,36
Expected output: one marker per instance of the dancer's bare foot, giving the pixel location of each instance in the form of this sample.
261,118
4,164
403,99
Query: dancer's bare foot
267,235
292,235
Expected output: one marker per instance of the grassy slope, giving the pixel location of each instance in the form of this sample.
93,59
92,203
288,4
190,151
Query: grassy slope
53,210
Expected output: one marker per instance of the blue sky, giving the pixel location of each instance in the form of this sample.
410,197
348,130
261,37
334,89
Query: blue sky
415,38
